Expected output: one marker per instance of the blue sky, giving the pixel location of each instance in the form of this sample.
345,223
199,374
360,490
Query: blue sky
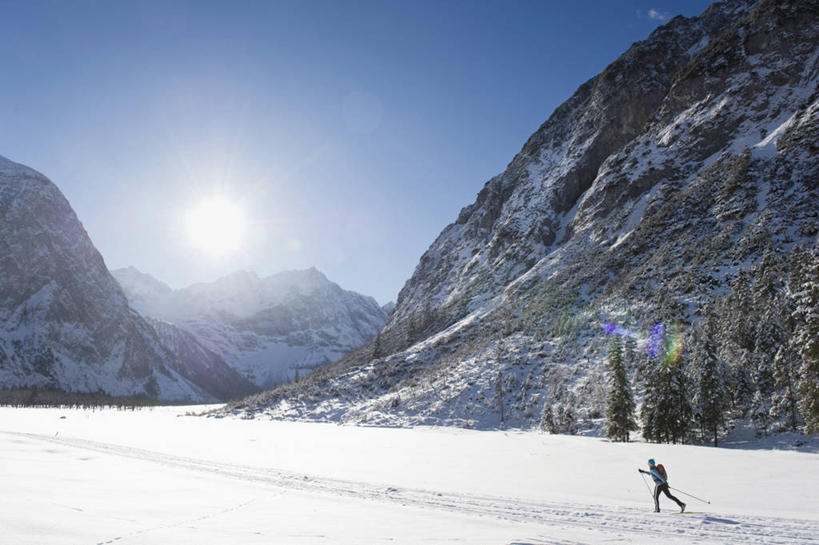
350,133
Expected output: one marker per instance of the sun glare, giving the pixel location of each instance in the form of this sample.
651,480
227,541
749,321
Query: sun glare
216,226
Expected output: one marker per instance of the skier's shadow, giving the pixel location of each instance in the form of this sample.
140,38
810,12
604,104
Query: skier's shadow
710,519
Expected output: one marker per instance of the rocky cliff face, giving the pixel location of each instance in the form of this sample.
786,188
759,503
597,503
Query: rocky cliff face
522,213
64,321
269,329
642,198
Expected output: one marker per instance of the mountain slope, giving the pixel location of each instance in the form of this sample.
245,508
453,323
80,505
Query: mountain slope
64,321
644,197
269,329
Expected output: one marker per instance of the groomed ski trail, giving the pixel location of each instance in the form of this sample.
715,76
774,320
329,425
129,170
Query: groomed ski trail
693,527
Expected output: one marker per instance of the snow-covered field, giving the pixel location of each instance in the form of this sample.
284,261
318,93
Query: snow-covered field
157,476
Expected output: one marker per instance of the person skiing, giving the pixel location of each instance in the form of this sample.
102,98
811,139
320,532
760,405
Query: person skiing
660,478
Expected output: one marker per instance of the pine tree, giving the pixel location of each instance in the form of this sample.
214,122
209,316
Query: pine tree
769,334
741,305
775,343
739,342
378,349
547,419
499,396
620,403
805,290
784,404
678,402
666,412
651,394
630,351
740,387
566,419
761,403
710,398
558,414
766,283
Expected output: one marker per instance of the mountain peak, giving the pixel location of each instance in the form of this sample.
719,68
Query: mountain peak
7,165
269,327
141,288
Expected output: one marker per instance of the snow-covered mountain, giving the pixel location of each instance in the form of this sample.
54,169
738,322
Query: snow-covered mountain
656,189
269,329
64,321
142,290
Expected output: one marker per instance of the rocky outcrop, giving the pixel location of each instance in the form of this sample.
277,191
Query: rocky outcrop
522,214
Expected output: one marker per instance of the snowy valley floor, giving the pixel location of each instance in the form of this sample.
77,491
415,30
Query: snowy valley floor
156,476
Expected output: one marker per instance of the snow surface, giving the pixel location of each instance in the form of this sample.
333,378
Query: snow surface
158,476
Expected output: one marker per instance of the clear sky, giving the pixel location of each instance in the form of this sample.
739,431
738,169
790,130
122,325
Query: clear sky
348,133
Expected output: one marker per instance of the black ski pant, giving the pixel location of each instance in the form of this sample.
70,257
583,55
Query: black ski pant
663,488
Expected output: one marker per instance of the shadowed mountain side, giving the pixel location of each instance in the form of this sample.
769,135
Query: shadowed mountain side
64,321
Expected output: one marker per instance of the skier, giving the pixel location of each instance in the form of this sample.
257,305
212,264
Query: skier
660,484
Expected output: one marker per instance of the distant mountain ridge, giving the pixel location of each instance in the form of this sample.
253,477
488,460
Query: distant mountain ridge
270,328
64,321
687,169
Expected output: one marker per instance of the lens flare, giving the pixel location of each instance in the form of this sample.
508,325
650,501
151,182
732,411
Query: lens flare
674,346
610,328
667,347
655,340
664,345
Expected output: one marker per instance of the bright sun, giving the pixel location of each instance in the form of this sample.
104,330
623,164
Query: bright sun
216,226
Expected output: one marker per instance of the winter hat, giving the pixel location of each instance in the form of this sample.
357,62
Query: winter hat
651,462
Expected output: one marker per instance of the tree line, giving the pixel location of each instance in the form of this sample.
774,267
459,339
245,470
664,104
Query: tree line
48,397
754,353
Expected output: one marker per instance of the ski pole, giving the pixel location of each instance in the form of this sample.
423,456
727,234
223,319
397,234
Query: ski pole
650,493
690,495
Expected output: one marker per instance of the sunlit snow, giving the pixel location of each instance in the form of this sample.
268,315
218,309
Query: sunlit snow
158,476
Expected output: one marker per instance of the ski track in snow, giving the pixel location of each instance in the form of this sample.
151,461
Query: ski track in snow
691,527
174,524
